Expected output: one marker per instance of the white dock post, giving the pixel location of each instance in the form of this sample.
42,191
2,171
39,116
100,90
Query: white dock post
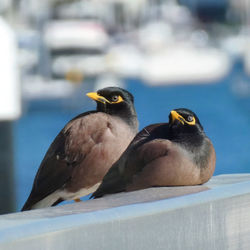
10,109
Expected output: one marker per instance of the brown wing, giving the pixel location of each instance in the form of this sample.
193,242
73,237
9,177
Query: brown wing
138,154
56,168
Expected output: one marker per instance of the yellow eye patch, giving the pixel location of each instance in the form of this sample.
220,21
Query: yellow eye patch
116,99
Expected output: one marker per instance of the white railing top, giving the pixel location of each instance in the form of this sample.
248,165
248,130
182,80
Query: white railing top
211,216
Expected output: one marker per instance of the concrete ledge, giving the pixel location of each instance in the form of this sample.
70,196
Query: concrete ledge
212,216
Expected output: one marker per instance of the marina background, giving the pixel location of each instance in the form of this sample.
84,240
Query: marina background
169,54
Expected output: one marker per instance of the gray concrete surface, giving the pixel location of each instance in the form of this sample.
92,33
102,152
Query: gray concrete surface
211,216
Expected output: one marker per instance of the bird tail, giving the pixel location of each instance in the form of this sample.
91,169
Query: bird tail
26,207
112,188
28,204
112,183
35,203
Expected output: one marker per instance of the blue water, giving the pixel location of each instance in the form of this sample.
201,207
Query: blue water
224,115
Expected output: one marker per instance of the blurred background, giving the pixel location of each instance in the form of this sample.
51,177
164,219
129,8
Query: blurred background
168,53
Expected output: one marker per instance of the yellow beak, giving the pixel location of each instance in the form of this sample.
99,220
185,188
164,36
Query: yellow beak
96,97
176,116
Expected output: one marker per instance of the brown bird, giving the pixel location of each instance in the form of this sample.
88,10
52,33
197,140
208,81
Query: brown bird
177,153
85,149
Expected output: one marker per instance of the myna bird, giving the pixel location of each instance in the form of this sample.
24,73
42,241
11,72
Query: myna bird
85,149
177,153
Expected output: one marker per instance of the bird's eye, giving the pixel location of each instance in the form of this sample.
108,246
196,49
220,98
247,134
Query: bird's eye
114,98
190,118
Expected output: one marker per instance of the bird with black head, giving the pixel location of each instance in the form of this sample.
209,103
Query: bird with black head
177,153
84,150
